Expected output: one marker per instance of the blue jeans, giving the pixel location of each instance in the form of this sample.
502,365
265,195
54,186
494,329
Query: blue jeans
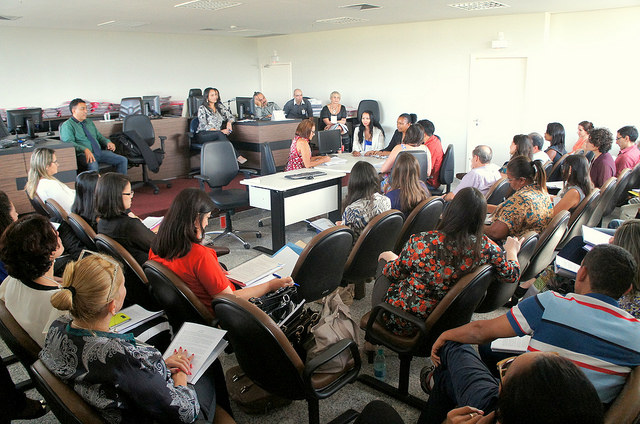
110,158
462,379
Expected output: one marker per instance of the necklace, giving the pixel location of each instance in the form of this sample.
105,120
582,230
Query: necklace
50,279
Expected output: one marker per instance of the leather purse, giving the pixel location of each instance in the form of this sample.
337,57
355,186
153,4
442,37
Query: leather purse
277,304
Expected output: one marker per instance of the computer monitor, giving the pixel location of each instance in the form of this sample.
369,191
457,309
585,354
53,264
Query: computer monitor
329,141
151,105
24,120
4,132
243,105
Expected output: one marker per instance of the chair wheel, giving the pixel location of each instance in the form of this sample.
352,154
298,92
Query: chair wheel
260,224
259,235
156,191
247,246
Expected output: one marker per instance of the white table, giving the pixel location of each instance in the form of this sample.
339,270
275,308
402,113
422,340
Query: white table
292,201
350,162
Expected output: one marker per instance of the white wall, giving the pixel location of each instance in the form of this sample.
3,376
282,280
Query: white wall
48,67
573,72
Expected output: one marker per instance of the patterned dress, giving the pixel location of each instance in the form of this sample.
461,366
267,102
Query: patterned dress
126,381
358,214
630,302
528,209
208,120
295,159
427,268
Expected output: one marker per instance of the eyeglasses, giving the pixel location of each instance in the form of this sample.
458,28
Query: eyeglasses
55,161
128,194
108,259
619,138
504,365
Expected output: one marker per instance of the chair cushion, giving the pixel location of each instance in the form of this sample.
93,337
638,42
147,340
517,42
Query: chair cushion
379,331
322,380
230,199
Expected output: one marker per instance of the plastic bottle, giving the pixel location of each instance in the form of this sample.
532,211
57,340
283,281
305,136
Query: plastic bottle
380,365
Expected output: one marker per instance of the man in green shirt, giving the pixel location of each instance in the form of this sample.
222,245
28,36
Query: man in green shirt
89,143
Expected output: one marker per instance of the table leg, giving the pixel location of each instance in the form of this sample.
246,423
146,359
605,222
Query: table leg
277,224
337,214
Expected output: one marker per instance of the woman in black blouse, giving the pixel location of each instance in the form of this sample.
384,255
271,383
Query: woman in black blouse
113,203
334,117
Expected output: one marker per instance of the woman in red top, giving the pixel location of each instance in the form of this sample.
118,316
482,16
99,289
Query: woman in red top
300,153
178,246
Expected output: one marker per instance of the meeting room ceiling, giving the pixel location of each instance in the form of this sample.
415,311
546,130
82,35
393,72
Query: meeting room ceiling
262,18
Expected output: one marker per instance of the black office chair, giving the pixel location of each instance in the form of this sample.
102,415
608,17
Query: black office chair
447,172
267,167
619,193
543,253
632,183
139,129
327,251
606,194
580,216
556,171
55,211
371,105
423,161
218,167
37,204
499,192
547,168
194,100
130,106
20,343
83,230
424,217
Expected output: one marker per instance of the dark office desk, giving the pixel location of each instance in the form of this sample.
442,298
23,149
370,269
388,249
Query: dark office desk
248,135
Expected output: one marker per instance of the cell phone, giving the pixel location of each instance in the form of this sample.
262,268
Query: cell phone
118,318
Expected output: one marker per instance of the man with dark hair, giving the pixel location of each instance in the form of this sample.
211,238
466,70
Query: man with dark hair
629,155
603,166
586,327
434,145
538,143
298,107
483,173
264,109
89,143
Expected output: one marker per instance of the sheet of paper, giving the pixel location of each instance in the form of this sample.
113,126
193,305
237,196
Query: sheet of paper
152,222
511,344
254,269
555,184
567,264
322,224
138,316
594,237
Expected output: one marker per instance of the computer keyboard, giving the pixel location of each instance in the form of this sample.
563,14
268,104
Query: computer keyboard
305,175
11,141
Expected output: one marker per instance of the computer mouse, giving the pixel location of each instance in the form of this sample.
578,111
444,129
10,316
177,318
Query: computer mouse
310,177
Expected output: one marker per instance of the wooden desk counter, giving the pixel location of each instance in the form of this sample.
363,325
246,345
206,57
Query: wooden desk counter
176,158
248,135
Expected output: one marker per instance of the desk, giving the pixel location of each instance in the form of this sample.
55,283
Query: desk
292,201
14,163
248,135
350,162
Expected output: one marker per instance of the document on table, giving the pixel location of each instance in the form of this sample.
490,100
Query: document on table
335,160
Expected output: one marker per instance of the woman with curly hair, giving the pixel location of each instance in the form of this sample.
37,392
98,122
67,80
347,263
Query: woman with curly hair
603,166
28,248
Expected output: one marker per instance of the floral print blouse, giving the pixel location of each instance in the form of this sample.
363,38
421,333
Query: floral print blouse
126,381
295,159
528,209
630,302
358,214
212,121
426,269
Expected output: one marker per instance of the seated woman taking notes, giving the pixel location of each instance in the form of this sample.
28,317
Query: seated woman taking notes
179,247
300,152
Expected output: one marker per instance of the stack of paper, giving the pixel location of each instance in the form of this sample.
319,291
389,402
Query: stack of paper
593,237
511,344
253,271
132,317
335,160
152,222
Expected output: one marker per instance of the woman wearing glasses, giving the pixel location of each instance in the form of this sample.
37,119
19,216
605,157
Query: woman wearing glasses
113,207
28,248
41,180
125,380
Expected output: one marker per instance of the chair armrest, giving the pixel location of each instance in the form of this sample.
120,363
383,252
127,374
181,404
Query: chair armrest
324,357
162,140
401,313
202,179
248,172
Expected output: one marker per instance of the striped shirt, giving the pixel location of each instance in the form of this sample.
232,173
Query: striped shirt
590,330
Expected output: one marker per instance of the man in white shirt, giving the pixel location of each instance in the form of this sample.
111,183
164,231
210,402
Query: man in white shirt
482,175
538,153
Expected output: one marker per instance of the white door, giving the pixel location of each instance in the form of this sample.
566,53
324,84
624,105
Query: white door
497,94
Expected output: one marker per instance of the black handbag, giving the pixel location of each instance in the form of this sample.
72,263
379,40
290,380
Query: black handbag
277,304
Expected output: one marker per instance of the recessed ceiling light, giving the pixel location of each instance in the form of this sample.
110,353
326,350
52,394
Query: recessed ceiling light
209,29
479,5
208,4
343,20
123,24
360,6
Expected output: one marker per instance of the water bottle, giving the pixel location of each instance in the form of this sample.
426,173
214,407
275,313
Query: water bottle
380,365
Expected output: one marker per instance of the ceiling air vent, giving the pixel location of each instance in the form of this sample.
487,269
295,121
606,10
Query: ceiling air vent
479,5
209,29
9,18
343,20
208,4
361,6
123,24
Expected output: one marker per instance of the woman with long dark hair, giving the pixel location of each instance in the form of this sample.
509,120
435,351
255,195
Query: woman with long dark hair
179,247
555,136
577,185
211,115
432,262
406,190
364,200
584,128
369,136
521,145
529,208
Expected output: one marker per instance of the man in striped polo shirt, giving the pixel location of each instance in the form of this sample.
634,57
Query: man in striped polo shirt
586,327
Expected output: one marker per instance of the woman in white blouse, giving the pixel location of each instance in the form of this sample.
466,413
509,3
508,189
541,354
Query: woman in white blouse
41,181
368,136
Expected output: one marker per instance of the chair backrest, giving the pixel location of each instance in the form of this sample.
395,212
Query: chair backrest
130,106
499,192
423,161
580,216
141,124
56,211
556,171
620,192
66,404
175,297
218,163
548,165
371,105
528,246
606,194
83,230
17,339
424,217
378,236
458,305
193,125
37,204
447,168
543,253
195,92
253,335
135,279
267,162
327,251
633,182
